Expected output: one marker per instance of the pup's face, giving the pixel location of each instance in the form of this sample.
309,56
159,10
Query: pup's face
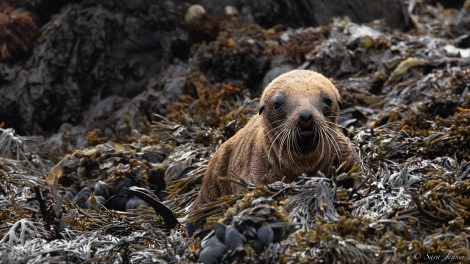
303,103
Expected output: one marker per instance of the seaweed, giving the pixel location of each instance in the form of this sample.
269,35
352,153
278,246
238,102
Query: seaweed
299,45
17,34
405,106
22,149
26,230
239,54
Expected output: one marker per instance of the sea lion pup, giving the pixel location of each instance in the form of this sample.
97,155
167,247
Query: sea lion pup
294,132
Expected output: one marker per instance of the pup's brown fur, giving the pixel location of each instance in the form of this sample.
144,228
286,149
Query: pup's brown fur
295,132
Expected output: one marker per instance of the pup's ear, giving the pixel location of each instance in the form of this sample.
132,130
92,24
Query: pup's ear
261,109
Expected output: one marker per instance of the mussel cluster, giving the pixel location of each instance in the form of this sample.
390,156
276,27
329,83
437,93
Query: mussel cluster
105,173
250,232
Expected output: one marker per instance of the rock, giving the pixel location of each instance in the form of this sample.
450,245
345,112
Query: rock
268,13
78,61
320,12
447,3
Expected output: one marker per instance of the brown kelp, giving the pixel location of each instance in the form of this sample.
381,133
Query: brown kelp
405,106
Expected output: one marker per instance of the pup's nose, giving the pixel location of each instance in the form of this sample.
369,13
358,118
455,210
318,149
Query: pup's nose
305,117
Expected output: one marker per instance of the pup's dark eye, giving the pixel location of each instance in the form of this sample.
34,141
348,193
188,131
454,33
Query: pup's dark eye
277,105
328,101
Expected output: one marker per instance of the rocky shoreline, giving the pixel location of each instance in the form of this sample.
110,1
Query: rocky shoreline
108,98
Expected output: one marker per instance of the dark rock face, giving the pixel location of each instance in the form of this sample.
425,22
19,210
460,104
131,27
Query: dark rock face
83,56
268,13
319,12
447,3
392,11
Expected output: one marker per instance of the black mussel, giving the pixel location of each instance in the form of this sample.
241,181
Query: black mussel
156,181
117,202
220,230
69,196
122,187
265,235
150,157
233,238
121,195
102,189
212,252
134,202
176,171
99,199
82,197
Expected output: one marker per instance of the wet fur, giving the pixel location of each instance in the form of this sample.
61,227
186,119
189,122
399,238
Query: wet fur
261,153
